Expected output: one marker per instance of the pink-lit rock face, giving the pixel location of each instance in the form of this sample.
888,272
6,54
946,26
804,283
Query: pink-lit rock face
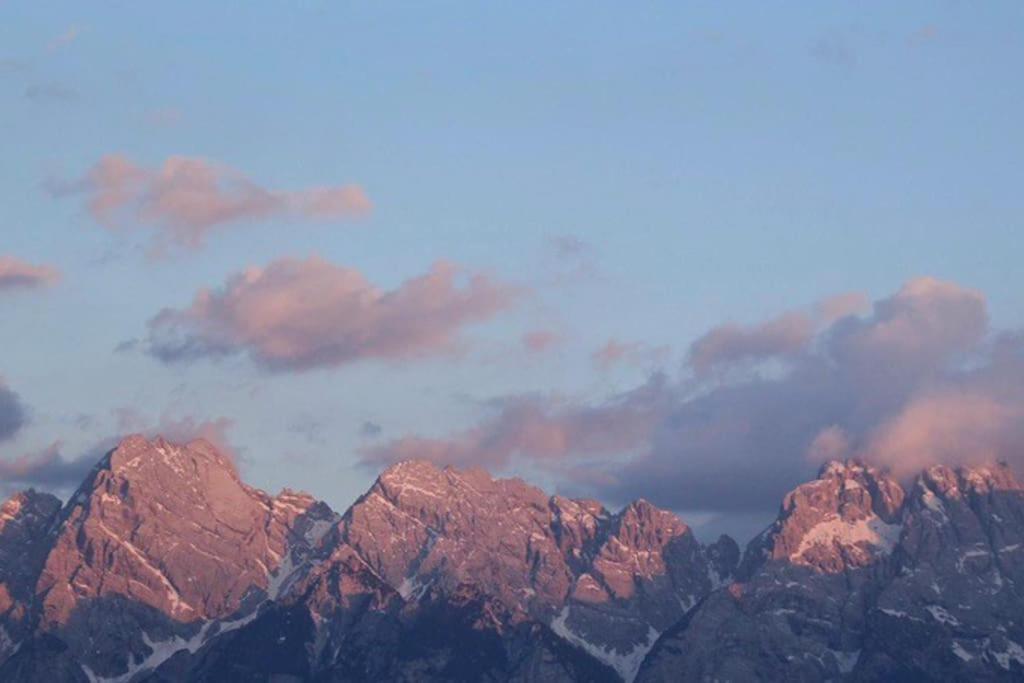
849,517
166,564
610,579
167,526
861,580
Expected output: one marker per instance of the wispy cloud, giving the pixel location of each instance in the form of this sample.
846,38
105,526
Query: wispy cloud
537,428
167,117
50,92
70,35
540,341
615,352
185,199
180,429
17,274
370,430
572,259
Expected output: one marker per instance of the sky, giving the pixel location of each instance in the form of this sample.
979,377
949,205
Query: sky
679,251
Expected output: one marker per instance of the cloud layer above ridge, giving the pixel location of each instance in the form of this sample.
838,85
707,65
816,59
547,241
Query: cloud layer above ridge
916,378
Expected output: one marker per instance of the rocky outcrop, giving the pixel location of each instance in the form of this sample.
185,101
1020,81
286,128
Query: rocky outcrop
605,584
858,580
956,603
25,524
161,547
165,565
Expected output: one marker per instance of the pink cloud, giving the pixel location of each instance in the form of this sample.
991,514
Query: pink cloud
15,274
952,426
831,443
181,429
915,380
301,314
537,428
46,468
928,322
615,352
69,36
785,335
840,306
730,343
214,431
187,198
540,341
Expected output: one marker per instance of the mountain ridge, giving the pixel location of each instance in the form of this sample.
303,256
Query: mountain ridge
165,566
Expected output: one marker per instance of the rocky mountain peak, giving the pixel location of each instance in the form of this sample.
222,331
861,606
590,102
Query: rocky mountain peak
643,526
953,482
25,523
27,508
597,578
166,563
849,517
167,535
860,580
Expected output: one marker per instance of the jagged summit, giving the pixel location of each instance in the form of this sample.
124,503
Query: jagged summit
166,564
861,579
603,581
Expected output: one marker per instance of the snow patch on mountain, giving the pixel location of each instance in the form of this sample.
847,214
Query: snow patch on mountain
626,664
873,531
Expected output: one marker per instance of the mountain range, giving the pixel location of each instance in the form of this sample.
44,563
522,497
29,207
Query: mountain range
165,566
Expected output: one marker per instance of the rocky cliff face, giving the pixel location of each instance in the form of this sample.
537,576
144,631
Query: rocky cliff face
165,566
605,583
161,546
858,580
441,574
25,524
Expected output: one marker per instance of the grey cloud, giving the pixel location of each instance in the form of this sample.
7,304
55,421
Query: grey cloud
12,413
920,378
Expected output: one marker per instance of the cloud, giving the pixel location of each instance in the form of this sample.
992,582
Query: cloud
302,314
186,429
572,260
185,199
167,117
537,428
926,34
48,469
179,429
16,274
51,469
951,425
540,341
50,92
308,427
12,413
788,334
370,430
570,247
615,352
69,36
917,379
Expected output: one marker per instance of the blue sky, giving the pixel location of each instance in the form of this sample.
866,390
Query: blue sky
711,164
